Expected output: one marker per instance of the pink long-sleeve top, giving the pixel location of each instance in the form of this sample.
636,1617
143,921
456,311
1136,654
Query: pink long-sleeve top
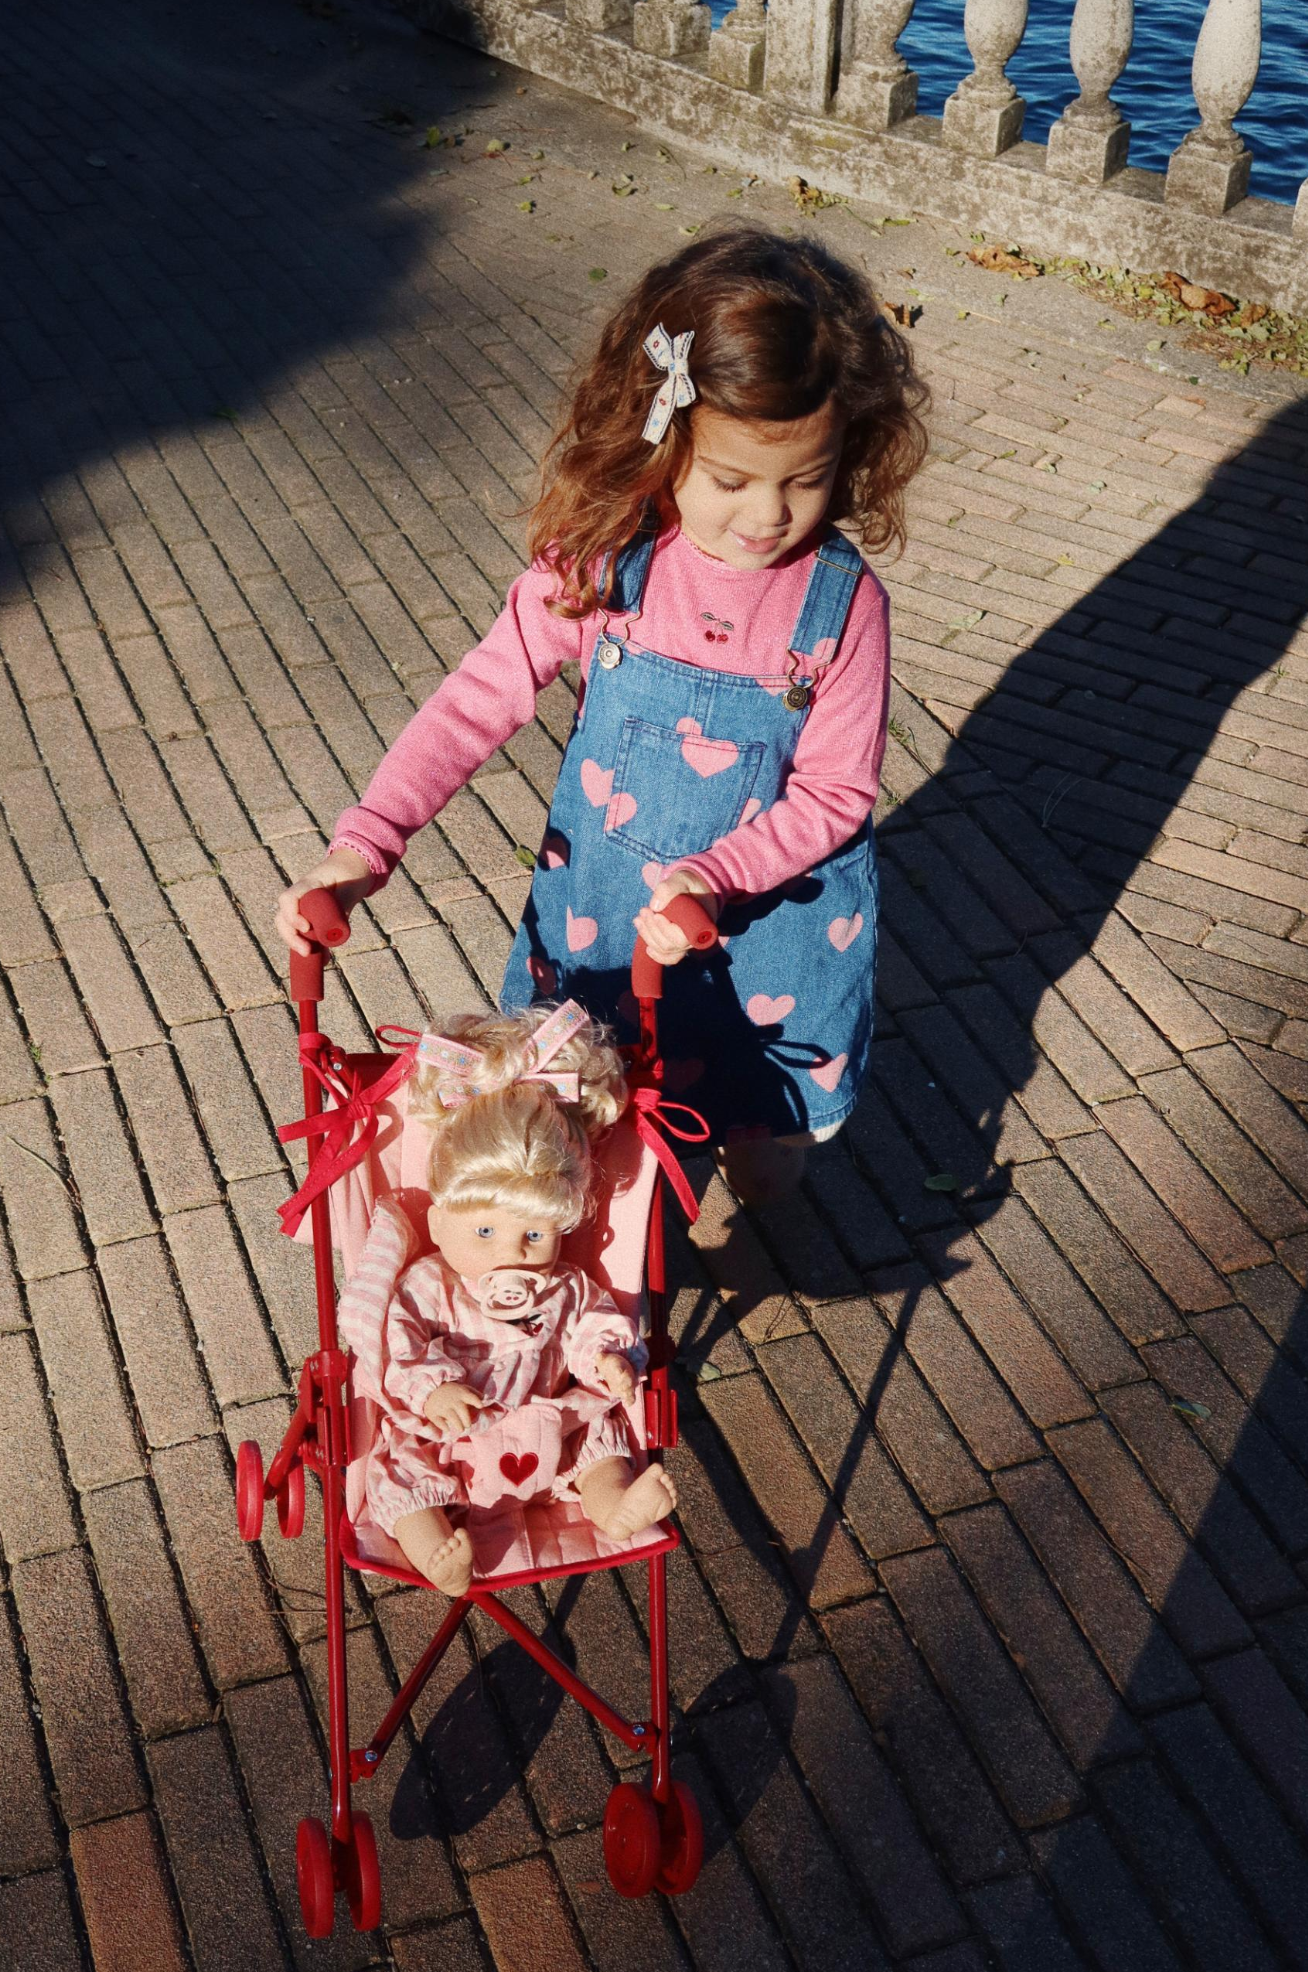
833,780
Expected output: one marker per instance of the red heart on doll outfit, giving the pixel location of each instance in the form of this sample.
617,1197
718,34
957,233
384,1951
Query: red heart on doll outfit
517,1466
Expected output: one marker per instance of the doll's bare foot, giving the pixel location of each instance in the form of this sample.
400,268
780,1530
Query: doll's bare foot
435,1549
449,1566
622,1506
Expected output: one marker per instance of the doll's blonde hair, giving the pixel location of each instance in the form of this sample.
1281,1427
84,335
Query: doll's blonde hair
516,1145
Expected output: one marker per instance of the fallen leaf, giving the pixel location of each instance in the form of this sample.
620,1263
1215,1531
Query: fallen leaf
688,229
623,191
940,1181
660,207
538,155
525,856
433,137
1097,486
597,274
707,1373
1155,342
97,163
526,205
628,146
810,199
1188,1407
1001,260
900,313
495,147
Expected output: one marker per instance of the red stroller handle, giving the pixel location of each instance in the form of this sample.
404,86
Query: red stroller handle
690,917
328,925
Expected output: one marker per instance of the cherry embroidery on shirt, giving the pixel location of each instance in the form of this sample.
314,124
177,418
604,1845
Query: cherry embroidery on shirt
723,630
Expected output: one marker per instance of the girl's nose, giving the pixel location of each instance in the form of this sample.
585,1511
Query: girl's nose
769,511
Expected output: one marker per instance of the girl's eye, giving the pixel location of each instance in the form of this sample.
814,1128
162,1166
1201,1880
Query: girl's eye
727,486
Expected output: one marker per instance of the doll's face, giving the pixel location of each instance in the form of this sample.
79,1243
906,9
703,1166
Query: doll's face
474,1241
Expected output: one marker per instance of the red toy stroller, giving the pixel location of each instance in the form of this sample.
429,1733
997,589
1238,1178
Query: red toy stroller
653,1838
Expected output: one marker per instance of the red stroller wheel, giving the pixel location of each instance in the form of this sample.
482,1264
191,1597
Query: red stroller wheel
682,1849
632,1843
290,1502
249,1490
363,1875
313,1874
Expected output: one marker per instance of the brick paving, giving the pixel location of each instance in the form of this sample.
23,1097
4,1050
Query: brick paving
991,1625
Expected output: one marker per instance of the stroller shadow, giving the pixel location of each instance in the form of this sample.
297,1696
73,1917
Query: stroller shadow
1011,852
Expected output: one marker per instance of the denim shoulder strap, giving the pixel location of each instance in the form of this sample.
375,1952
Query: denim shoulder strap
836,569
632,567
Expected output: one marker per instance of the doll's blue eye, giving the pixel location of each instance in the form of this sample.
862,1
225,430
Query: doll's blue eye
535,1237
485,1232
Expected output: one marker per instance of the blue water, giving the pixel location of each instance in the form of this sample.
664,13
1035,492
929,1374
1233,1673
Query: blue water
1154,90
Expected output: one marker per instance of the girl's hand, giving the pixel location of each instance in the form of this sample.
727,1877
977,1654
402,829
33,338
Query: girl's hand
664,943
617,1376
451,1408
345,872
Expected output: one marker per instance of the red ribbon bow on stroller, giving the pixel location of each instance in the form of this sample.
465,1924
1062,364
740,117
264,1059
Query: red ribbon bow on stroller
354,1107
650,1109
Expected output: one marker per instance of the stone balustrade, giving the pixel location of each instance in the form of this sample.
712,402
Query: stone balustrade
819,88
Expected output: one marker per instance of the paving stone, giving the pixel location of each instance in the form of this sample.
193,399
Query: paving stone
1241,1821
1112,1920
126,1897
152,1629
1088,1340
824,1560
812,1897
27,1830
1006,1330
916,1731
225,1907
957,1371
39,1207
1214,1224
1141,1312
1265,1379
452,1947
281,1769
157,1341
95,1424
1204,1502
171,1148
1232,1160
37,1919
616,1930
108,983
525,1916
230,1329
1180,1870
863,1481
87,1733
1177,1582
60,1038
1022,1928
1124,1198
863,1805
238,1632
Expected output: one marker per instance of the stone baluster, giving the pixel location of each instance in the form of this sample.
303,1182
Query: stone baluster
1089,140
670,27
1209,170
736,48
800,61
877,87
598,15
984,114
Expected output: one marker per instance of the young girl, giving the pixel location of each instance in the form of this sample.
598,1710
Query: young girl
733,649
500,1370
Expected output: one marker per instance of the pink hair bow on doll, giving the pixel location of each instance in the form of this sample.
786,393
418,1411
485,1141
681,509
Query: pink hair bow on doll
457,1063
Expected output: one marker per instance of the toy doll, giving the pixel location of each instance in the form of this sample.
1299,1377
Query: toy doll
504,1371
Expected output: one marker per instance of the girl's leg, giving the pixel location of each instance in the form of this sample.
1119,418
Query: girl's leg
440,1552
619,1505
762,1170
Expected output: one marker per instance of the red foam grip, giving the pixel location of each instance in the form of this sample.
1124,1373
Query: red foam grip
694,922
328,924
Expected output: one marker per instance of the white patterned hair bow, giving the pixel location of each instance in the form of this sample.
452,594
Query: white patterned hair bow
457,1063
671,353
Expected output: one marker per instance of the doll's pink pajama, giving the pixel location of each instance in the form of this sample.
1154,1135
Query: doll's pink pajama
526,1341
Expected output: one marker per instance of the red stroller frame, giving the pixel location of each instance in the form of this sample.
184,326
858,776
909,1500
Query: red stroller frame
653,1838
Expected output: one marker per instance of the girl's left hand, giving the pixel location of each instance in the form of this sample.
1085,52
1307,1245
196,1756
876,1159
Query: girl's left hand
664,943
617,1376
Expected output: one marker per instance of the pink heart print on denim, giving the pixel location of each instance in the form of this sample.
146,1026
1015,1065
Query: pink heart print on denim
666,757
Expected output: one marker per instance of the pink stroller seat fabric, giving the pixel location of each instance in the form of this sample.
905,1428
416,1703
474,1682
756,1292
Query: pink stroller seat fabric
523,1533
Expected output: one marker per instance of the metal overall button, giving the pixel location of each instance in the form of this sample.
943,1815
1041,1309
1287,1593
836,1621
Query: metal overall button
796,698
608,653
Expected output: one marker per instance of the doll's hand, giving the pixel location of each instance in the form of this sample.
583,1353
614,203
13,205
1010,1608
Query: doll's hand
617,1376
344,872
664,943
451,1408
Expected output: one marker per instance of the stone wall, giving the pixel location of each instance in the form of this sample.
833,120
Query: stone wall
817,88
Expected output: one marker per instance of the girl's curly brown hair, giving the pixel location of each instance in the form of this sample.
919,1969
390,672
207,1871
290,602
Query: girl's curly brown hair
782,327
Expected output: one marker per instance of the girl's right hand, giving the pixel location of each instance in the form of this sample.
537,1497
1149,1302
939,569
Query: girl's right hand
345,872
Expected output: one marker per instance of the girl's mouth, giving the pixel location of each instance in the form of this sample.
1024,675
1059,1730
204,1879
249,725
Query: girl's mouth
755,547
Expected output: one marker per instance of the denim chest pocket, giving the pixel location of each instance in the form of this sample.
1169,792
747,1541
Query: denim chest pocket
676,791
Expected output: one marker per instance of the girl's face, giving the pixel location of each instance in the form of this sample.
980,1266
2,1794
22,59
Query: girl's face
474,1242
752,492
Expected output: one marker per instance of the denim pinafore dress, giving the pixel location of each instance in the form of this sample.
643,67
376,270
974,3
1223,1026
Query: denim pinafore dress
767,1033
